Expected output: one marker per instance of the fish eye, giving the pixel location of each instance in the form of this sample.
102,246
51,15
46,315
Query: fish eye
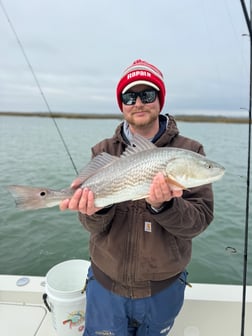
209,165
42,194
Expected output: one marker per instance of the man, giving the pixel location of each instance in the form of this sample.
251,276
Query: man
139,249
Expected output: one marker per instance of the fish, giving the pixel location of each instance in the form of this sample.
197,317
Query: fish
116,179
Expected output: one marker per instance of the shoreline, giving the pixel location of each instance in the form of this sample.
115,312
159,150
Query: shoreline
185,118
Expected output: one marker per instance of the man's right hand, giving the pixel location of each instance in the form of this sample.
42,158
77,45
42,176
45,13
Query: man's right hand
82,200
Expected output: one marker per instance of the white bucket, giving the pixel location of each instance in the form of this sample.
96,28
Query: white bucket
64,285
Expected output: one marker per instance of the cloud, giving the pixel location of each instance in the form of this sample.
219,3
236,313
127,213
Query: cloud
78,51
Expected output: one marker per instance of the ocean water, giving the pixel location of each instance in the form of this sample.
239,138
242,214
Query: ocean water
32,153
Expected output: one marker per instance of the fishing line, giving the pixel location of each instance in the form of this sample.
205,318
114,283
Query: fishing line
38,85
245,259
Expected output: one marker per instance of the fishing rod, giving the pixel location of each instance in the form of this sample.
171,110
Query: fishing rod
245,255
38,85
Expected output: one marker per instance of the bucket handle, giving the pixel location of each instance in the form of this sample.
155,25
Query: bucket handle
46,303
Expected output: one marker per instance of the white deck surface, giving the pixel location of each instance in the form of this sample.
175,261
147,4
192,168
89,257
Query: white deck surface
213,310
208,310
22,311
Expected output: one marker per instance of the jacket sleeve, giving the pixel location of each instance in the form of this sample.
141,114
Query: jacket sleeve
190,214
98,222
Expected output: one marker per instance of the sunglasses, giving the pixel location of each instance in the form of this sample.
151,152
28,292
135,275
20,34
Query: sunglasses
146,96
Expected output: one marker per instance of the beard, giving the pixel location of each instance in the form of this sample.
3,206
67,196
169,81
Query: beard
141,119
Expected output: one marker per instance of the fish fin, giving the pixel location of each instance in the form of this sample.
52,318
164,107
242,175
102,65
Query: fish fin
138,144
98,162
104,159
170,180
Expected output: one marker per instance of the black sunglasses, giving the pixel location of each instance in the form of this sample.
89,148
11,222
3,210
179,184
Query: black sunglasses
146,96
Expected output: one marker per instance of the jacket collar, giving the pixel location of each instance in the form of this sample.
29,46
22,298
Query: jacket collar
167,131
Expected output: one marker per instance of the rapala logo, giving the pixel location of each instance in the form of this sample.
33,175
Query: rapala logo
139,73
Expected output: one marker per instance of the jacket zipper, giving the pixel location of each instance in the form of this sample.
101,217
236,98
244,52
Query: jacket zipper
129,265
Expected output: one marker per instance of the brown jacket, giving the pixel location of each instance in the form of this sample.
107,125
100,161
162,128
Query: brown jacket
135,247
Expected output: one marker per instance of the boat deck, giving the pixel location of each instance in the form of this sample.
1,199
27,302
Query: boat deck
208,310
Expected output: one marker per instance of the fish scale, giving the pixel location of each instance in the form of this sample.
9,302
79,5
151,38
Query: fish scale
133,179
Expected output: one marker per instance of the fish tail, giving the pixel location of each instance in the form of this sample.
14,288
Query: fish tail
31,198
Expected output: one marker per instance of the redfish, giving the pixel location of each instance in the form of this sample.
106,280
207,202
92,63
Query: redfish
128,177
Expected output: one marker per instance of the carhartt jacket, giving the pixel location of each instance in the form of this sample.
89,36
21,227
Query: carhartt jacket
135,247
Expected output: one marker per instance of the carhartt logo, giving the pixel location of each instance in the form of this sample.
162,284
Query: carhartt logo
139,73
147,226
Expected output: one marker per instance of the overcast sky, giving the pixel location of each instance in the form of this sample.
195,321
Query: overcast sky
80,48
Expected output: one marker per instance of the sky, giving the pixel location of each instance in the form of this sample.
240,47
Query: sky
79,49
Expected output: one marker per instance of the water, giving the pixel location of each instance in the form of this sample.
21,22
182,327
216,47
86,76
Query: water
32,153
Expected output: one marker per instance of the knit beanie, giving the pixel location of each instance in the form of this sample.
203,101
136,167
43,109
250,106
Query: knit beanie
141,72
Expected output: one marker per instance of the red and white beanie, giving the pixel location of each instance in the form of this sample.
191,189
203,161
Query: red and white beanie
141,72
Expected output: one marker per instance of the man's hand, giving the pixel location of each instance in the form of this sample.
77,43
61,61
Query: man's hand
82,200
161,191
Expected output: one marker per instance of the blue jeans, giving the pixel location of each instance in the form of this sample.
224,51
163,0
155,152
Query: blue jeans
108,314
